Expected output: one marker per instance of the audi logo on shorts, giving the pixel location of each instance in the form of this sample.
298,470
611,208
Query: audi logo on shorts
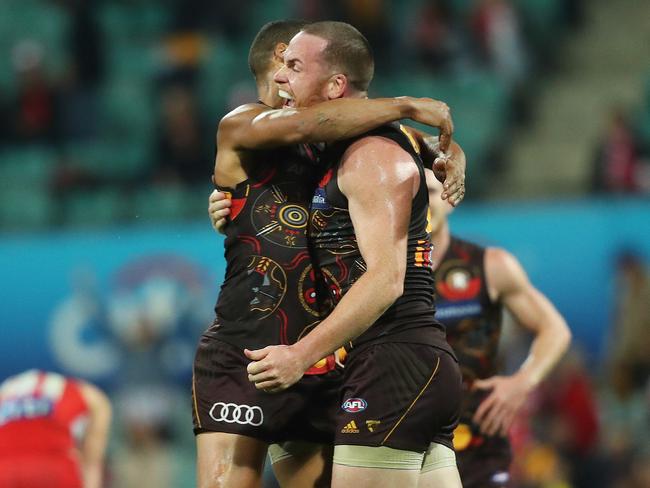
231,413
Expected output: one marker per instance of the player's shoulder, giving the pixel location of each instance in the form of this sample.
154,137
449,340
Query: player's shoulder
460,245
503,270
242,114
498,256
374,149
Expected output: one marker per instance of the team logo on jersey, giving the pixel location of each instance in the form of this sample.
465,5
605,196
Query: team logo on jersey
354,405
456,281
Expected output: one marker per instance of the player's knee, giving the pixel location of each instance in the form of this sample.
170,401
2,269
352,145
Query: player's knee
213,477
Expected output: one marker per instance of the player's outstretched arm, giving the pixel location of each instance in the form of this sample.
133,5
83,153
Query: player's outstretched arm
508,283
256,127
379,183
95,439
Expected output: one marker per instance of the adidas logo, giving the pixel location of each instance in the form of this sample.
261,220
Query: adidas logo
350,428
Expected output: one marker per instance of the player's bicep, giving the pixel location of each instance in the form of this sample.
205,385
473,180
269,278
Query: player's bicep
510,284
378,182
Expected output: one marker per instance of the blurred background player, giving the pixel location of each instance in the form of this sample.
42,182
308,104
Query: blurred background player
53,432
473,287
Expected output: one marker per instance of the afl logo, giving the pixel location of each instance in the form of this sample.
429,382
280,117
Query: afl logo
354,405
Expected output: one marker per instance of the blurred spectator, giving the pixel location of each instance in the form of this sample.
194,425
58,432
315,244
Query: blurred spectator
145,457
371,17
435,41
617,167
313,10
35,110
229,18
183,153
569,417
625,418
53,431
85,42
497,28
79,95
630,340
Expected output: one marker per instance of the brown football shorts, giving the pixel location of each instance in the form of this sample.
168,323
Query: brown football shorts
400,395
225,401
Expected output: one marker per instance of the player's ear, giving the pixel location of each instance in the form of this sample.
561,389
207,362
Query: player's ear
337,86
278,52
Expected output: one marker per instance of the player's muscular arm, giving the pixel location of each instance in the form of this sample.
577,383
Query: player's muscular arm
508,283
247,128
379,179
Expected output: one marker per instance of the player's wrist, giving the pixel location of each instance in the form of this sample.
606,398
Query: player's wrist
527,380
303,355
408,107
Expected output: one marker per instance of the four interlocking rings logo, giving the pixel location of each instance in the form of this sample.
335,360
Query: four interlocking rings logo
232,413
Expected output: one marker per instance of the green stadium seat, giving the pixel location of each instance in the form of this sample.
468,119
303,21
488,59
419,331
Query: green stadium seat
126,22
94,208
224,64
541,21
160,204
122,160
127,109
29,167
267,10
25,209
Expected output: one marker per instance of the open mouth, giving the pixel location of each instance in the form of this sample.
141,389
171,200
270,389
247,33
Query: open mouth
288,99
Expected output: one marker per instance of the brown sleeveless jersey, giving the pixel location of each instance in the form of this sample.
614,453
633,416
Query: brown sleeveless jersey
340,264
472,320
268,294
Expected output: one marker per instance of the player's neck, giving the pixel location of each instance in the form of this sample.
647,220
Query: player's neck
267,91
440,239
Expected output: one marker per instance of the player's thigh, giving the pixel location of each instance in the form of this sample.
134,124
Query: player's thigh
439,468
302,464
347,476
441,478
375,466
229,460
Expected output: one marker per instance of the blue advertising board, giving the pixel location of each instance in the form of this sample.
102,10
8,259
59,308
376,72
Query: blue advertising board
101,304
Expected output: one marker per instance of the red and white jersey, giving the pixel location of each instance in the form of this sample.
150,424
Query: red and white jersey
40,413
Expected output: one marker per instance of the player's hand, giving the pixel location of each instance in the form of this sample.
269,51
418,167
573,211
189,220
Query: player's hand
435,114
274,368
218,209
449,169
498,410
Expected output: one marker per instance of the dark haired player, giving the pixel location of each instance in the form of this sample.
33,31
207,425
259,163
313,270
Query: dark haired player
473,286
401,385
268,296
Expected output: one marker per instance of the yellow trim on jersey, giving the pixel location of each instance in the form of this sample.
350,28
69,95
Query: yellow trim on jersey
412,140
196,407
